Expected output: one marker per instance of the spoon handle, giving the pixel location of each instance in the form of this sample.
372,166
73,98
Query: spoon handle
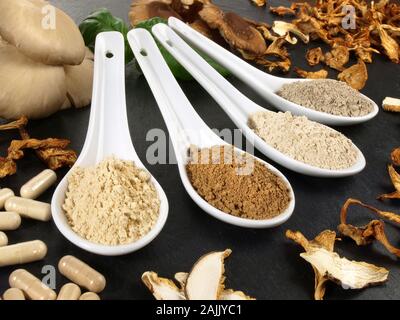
260,81
184,125
108,131
235,104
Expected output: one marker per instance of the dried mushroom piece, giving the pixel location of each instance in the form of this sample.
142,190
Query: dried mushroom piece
206,280
8,167
355,76
230,294
142,10
390,45
314,56
338,57
161,288
329,266
395,156
259,3
374,230
285,29
238,32
395,178
391,104
282,11
320,74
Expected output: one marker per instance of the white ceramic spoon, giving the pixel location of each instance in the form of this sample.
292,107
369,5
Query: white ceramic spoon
186,128
107,135
263,83
237,106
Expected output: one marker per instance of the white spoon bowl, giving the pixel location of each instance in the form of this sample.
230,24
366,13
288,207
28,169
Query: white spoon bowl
186,128
238,107
108,135
264,84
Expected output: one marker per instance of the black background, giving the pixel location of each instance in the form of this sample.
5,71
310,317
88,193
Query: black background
263,264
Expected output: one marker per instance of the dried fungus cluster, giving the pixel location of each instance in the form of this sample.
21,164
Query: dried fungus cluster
375,30
204,282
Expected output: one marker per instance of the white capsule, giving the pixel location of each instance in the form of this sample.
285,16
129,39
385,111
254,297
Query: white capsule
9,221
32,286
23,252
69,291
38,184
89,296
3,239
13,294
4,195
28,208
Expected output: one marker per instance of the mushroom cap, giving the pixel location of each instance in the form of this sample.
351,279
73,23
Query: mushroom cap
27,25
79,81
27,87
142,10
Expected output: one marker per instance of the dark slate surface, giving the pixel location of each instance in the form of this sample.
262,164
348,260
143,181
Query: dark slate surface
263,264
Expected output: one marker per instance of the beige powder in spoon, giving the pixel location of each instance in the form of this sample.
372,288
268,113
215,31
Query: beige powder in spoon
304,140
112,203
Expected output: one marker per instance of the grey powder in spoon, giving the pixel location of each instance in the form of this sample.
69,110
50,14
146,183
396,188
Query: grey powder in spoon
304,140
326,95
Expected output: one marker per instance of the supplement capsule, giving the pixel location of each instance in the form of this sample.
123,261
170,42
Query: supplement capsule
38,184
5,193
31,286
13,294
9,221
69,291
80,273
3,239
29,208
23,252
89,296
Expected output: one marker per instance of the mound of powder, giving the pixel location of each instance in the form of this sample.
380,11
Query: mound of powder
327,95
304,140
237,184
112,203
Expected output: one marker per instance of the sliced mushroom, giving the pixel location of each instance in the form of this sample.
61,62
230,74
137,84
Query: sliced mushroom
161,288
181,278
283,28
391,104
314,56
237,31
390,45
29,88
230,294
338,57
355,76
205,281
142,10
282,11
320,74
79,81
53,40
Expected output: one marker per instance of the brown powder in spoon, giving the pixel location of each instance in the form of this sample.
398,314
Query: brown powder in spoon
237,184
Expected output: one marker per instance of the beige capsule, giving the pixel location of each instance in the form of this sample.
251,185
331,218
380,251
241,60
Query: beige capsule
23,252
3,239
29,208
89,296
5,193
69,291
82,274
9,221
31,286
38,184
13,294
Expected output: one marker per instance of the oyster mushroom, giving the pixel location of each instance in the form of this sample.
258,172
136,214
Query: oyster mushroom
27,87
205,281
237,31
50,40
79,80
142,10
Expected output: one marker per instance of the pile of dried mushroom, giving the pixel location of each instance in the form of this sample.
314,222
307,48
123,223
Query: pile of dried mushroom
376,30
329,266
53,152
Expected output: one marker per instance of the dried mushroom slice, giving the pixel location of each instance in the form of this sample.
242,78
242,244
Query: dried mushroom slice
238,32
283,28
390,45
374,230
395,156
314,56
391,104
349,274
206,280
230,294
338,57
329,266
395,178
259,3
161,288
282,11
142,10
355,76
320,74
